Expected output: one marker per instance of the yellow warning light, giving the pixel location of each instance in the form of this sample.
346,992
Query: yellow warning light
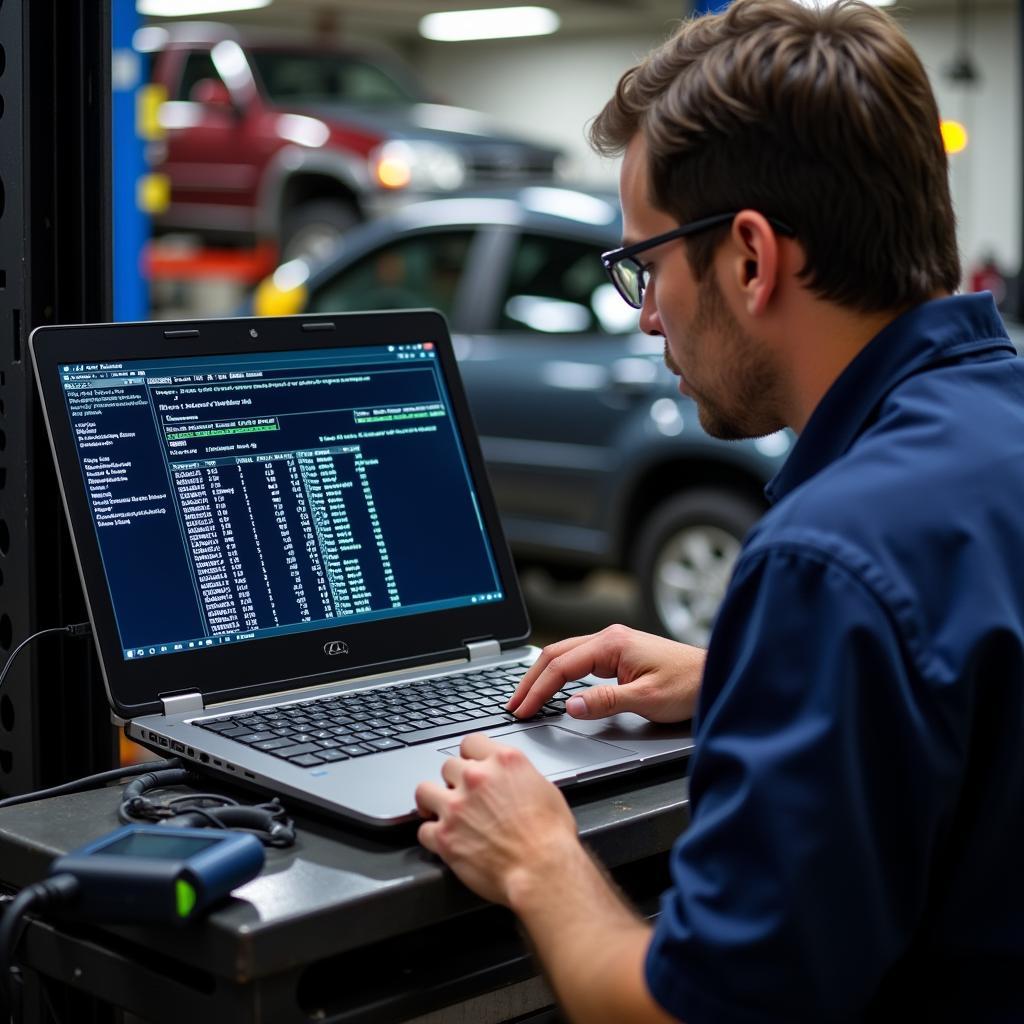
393,172
153,193
954,136
148,101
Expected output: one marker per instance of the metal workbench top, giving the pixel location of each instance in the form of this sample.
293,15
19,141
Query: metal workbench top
337,890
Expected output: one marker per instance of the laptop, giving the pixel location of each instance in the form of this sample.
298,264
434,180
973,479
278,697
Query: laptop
292,560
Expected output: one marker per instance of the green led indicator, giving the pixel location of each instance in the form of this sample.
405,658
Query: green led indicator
185,896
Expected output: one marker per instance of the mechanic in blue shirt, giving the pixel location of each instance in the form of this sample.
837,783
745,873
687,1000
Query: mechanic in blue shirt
857,788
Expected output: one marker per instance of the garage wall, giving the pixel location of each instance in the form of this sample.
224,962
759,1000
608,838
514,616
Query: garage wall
548,87
986,177
551,87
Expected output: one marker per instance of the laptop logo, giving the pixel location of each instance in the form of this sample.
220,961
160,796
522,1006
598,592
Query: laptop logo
333,647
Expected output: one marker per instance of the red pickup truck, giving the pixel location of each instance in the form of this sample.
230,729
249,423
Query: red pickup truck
294,143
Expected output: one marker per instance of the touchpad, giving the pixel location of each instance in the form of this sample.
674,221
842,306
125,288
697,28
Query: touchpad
552,750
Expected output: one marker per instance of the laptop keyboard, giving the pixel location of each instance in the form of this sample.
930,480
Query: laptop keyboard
327,729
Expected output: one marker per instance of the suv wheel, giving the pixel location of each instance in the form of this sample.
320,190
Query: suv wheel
684,557
311,230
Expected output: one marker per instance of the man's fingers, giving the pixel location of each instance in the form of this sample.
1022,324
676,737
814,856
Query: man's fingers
598,656
476,746
602,701
430,798
451,771
427,835
542,662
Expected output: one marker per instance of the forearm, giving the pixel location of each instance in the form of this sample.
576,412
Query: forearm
590,943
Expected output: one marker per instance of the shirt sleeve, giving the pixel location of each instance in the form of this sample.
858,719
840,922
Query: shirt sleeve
821,775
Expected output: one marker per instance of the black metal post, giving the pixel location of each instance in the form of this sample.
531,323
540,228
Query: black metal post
55,244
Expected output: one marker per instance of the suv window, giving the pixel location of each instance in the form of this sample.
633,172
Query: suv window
328,78
198,65
558,286
423,270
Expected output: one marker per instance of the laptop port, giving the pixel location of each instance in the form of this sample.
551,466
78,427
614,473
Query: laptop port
204,758
163,741
217,763
179,747
191,752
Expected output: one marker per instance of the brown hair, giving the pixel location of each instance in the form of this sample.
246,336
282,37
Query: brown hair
820,117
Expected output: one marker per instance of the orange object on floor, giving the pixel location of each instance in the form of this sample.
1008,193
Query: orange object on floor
247,266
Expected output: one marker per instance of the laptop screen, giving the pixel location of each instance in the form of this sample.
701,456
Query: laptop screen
272,493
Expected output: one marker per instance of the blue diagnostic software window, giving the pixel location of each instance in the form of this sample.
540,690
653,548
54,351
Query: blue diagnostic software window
237,497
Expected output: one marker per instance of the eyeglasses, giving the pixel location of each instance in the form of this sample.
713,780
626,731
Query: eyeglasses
630,277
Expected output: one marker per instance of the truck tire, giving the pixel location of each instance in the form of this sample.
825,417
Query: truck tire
311,230
684,557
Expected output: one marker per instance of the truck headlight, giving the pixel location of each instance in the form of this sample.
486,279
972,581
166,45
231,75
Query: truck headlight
422,165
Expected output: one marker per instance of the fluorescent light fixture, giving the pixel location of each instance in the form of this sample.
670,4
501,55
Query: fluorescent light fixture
828,3
492,23
190,8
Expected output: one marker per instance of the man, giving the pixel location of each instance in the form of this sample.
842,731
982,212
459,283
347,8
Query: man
857,786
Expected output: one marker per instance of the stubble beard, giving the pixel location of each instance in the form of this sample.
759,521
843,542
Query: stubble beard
742,399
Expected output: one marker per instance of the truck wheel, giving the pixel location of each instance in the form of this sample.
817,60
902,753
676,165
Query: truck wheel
311,231
684,557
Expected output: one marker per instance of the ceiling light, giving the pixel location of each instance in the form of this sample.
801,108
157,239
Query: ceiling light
190,8
492,23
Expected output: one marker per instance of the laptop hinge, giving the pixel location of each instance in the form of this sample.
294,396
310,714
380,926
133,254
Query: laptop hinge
478,649
182,703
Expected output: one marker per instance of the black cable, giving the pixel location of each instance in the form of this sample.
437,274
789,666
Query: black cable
75,629
53,891
92,781
269,821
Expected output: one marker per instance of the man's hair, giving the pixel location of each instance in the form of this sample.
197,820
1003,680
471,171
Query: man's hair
820,117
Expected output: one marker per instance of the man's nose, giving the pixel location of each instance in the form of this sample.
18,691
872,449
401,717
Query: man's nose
650,322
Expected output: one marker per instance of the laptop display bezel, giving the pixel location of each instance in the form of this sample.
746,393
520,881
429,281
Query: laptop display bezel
272,664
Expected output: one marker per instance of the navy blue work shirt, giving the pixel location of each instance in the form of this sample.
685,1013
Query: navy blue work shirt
856,848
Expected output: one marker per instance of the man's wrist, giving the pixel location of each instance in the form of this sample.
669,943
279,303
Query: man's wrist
531,884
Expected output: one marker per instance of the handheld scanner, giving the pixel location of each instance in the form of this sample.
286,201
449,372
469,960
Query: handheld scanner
154,874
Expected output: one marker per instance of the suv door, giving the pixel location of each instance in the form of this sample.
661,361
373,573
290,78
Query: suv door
211,158
554,386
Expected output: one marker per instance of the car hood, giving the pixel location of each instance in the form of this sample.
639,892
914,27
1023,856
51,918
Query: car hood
468,130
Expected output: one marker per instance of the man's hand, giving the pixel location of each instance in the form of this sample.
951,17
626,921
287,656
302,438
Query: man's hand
657,678
509,835
498,819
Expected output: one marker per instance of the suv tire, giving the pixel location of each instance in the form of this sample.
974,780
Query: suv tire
311,230
684,557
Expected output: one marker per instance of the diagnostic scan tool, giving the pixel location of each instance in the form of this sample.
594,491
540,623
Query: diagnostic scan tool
154,874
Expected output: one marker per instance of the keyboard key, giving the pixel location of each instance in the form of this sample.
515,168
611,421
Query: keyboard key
306,760
385,744
275,744
252,738
295,749
221,725
357,750
330,756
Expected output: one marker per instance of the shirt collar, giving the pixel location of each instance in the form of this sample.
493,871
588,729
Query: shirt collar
923,336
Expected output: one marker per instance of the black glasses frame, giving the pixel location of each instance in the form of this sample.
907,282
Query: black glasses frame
610,259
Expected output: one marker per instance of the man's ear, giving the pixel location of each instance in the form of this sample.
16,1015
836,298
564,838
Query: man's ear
755,260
